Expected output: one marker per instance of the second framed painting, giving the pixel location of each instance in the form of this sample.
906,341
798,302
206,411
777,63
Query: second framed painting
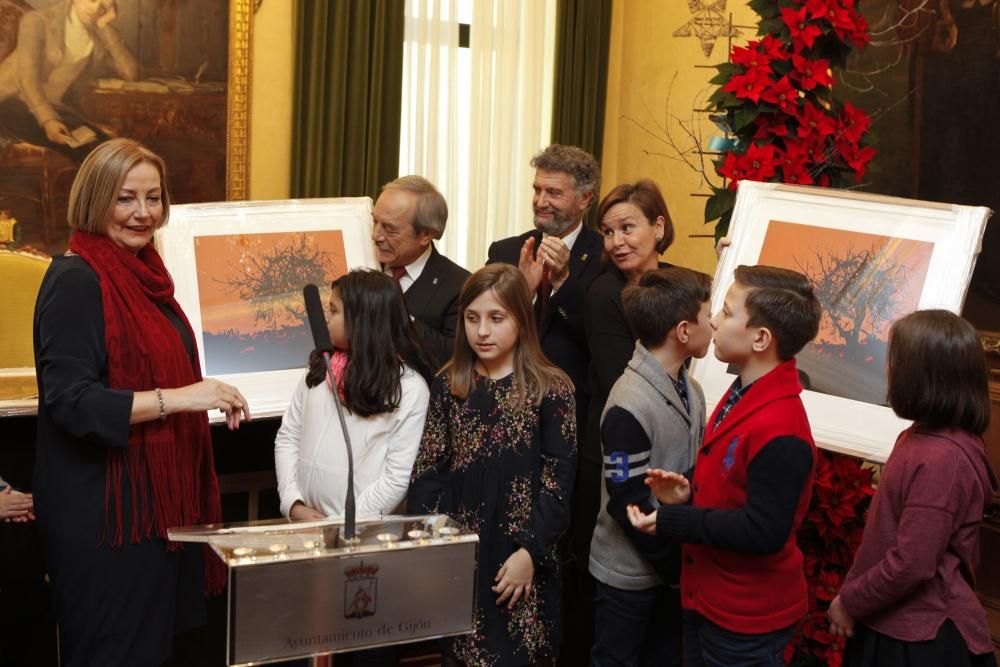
871,260
239,269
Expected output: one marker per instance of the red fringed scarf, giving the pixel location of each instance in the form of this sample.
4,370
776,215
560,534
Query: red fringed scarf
168,464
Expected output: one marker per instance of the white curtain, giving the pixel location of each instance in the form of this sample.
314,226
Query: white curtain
513,54
428,144
473,119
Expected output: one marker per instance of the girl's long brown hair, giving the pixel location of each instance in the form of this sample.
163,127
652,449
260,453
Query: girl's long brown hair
534,375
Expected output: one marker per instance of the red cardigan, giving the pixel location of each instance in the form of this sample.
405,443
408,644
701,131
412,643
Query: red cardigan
744,592
914,568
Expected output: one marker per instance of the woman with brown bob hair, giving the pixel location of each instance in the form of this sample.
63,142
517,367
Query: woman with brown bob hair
909,598
636,226
124,449
498,455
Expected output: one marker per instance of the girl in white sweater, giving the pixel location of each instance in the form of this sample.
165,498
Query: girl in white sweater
382,375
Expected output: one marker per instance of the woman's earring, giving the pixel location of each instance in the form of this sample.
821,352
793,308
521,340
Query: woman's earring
659,238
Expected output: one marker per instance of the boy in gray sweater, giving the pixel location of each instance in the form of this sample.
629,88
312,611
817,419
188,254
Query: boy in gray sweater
654,418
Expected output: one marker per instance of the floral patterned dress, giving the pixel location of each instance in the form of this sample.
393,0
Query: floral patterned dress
503,467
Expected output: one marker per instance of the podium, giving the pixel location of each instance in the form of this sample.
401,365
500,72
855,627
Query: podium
301,589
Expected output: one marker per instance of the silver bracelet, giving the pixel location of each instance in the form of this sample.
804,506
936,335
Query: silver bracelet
163,406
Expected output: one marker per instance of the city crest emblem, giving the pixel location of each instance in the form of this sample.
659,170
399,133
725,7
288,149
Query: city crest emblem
360,590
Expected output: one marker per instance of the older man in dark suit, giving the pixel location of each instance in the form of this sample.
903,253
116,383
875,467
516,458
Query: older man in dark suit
560,258
409,214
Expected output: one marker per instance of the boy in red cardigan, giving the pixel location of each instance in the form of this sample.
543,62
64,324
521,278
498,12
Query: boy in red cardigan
742,584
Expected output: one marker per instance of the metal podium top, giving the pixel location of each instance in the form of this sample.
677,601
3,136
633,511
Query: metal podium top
262,542
299,589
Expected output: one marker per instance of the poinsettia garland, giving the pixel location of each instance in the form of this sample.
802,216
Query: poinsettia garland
828,538
775,102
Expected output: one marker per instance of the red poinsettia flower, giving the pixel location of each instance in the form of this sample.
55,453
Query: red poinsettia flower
783,94
827,585
757,164
833,656
821,10
794,164
817,628
856,157
850,24
770,125
812,121
772,47
803,32
750,85
861,35
751,58
852,123
811,72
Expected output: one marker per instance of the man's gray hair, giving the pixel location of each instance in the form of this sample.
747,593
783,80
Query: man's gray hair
574,161
432,210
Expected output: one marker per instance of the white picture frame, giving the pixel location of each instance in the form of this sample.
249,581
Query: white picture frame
194,226
859,428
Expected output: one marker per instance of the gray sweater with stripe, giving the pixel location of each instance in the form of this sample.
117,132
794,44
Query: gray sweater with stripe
644,425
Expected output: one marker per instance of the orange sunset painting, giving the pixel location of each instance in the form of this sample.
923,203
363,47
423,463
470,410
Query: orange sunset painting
865,282
250,292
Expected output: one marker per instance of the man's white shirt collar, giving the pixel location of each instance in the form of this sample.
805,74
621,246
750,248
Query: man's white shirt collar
414,269
571,238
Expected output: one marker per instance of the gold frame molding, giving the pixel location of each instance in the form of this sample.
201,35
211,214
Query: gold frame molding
991,342
241,13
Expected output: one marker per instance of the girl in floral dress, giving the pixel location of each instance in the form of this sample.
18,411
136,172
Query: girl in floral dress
499,455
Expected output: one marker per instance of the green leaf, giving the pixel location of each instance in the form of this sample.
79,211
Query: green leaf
730,102
729,69
772,26
744,116
722,226
764,8
719,203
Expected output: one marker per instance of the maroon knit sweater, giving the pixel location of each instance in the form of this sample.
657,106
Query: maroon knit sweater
915,567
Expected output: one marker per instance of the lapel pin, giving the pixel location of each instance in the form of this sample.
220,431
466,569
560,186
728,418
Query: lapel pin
583,257
434,282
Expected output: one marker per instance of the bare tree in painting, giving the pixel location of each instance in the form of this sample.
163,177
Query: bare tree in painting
272,281
860,290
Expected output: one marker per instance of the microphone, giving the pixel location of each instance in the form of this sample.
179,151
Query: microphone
321,340
317,320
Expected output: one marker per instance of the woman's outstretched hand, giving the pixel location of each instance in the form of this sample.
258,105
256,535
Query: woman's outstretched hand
209,394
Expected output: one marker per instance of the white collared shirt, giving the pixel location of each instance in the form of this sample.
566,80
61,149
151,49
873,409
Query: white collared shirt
571,238
413,270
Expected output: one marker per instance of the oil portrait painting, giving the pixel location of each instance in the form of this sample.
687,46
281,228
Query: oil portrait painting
76,72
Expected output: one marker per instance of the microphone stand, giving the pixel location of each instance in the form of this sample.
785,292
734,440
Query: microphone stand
349,511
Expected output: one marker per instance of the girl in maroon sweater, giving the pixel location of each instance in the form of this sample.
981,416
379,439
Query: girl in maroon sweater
911,587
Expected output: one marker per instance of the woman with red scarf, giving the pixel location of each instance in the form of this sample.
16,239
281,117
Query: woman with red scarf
124,449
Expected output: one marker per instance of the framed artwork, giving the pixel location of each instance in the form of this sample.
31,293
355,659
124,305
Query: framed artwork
173,74
871,259
239,269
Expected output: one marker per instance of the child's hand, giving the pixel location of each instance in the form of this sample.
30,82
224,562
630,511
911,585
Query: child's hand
302,512
642,522
724,242
514,578
841,624
16,506
670,488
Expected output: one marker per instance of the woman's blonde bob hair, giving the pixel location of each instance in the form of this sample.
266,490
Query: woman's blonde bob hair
100,179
